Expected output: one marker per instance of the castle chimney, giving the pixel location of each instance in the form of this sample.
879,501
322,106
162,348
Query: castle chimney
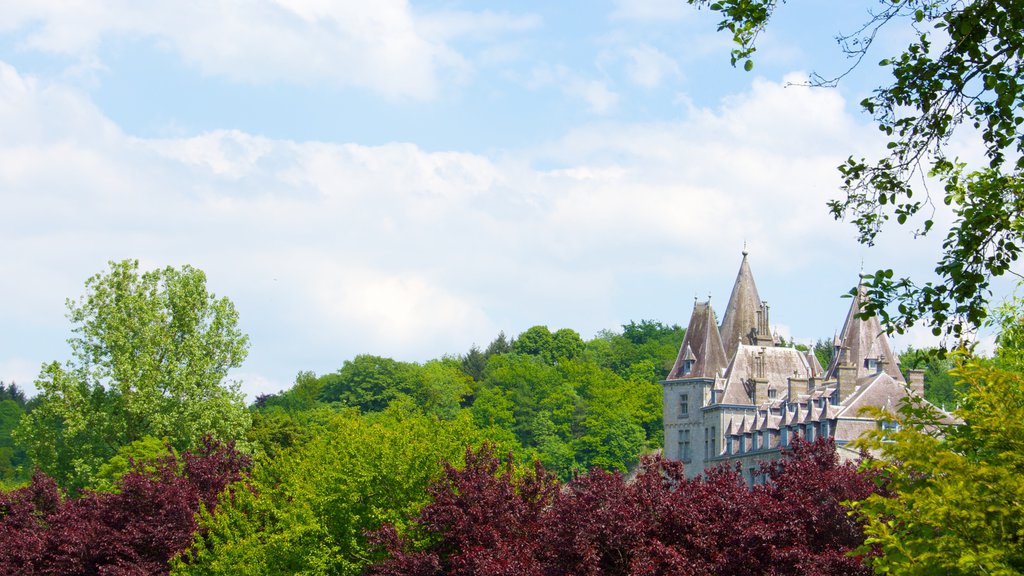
917,382
795,386
846,381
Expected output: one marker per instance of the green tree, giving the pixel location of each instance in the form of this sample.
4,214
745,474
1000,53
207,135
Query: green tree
369,382
958,485
958,489
535,341
824,350
441,388
962,68
13,459
309,510
151,353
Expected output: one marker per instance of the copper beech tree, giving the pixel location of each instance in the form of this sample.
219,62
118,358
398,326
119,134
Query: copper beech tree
134,531
489,519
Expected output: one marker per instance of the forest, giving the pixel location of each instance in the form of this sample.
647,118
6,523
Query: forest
538,454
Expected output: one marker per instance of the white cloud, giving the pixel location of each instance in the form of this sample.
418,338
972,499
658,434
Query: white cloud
647,66
596,94
383,46
330,250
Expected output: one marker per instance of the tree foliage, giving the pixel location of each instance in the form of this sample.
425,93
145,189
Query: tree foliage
151,352
958,485
136,530
962,69
14,462
489,519
308,509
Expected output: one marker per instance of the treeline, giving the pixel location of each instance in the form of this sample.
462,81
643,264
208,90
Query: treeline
571,404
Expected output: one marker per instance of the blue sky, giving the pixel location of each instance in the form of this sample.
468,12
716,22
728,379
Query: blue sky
410,178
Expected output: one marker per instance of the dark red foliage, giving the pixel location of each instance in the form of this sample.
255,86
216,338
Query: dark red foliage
133,532
484,522
488,522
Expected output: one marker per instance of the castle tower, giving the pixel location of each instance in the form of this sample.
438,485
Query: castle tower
746,315
701,355
863,345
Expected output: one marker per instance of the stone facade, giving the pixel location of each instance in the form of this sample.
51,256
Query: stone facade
735,396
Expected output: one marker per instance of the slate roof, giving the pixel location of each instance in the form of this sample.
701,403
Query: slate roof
702,344
740,318
780,364
861,340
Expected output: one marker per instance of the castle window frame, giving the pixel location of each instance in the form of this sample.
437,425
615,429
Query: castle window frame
684,447
684,405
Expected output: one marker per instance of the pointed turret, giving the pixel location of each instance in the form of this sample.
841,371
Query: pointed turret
863,344
743,313
701,354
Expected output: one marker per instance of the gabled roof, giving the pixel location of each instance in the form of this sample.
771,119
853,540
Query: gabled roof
780,364
879,390
740,318
812,362
861,340
702,344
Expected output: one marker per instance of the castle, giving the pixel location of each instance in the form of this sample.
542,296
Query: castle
734,395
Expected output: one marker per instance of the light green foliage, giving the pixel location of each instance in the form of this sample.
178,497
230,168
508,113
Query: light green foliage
144,451
308,510
1009,318
964,66
151,352
958,506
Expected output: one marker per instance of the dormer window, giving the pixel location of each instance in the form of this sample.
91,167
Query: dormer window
687,367
771,393
871,363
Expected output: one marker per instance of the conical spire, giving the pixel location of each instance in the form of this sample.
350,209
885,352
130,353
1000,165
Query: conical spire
740,320
701,354
863,343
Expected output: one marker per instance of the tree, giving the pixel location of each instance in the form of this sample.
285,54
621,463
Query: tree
13,459
135,530
824,350
958,484
308,510
151,352
962,68
489,518
958,487
369,382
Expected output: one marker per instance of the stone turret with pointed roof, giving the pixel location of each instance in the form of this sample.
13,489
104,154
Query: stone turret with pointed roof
701,354
863,344
744,313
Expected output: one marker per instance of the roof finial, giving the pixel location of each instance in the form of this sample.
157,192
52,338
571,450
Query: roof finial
861,275
745,248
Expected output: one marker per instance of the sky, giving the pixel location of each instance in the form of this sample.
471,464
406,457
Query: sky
408,178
